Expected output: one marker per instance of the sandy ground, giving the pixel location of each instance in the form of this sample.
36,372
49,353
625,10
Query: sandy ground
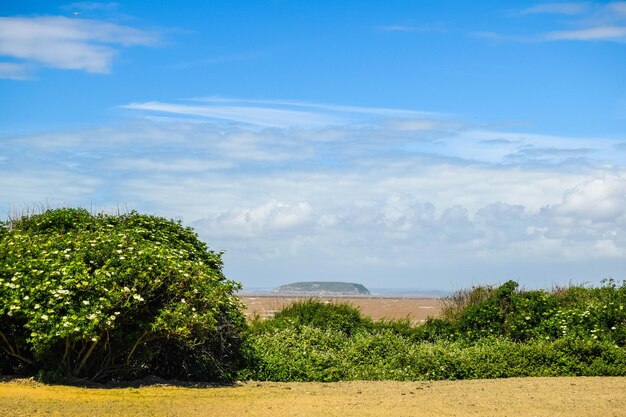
569,397
416,309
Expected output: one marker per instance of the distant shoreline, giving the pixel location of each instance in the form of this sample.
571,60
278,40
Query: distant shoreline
328,295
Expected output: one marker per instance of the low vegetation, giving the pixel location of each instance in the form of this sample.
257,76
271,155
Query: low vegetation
110,297
486,332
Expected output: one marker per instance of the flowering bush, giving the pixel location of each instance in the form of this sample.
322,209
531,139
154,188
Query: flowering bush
113,296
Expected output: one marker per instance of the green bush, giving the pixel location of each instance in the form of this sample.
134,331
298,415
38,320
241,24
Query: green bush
501,332
114,296
314,354
521,316
316,313
305,353
455,304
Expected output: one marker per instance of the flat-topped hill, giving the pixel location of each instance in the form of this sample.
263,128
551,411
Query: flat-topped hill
322,288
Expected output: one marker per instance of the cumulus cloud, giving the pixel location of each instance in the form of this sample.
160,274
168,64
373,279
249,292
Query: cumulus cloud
267,220
67,43
597,200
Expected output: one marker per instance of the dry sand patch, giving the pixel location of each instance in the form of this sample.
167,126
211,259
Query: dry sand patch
571,397
415,308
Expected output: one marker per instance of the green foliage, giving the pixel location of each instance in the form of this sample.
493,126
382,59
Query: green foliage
455,304
104,296
498,332
313,354
315,313
110,296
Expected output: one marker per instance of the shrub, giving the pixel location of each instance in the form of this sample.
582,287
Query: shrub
313,354
114,296
455,304
306,353
315,313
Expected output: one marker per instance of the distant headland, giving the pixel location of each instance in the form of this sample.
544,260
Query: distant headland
322,288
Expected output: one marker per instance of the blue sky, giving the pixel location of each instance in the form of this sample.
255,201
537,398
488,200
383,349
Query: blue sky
401,144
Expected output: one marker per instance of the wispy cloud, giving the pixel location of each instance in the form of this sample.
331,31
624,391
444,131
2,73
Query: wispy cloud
273,113
252,115
337,108
14,71
578,21
565,8
608,33
67,43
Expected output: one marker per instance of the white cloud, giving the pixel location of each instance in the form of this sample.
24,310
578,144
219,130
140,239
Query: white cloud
581,21
265,221
404,196
14,71
325,107
66,43
29,187
259,116
275,113
597,200
616,33
168,164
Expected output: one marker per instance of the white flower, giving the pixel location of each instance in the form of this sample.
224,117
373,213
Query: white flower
44,317
86,302
137,297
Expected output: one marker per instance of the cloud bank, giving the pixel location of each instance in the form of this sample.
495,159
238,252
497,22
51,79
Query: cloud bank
291,193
